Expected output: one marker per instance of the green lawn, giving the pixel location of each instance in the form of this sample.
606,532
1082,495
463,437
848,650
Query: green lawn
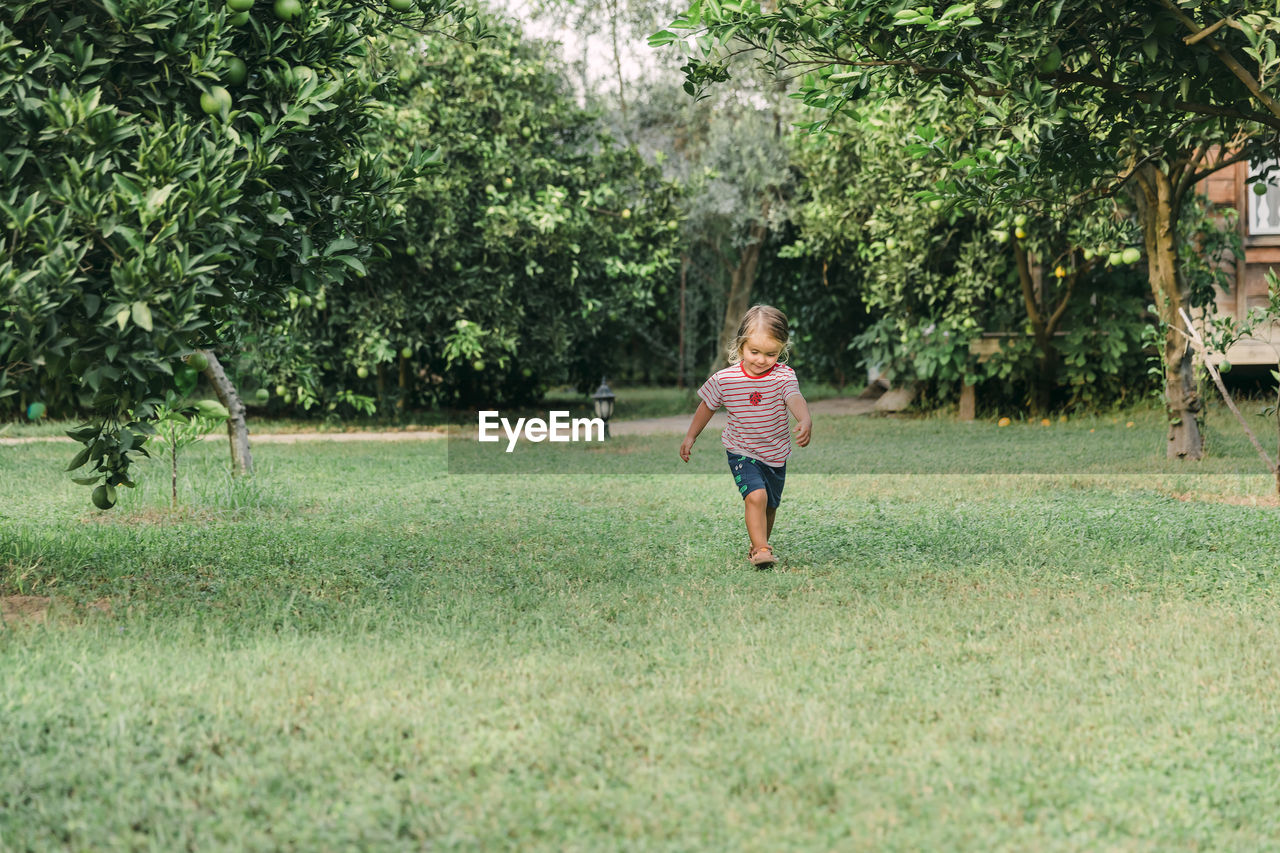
1029,638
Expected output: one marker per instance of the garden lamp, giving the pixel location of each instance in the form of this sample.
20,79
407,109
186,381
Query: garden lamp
603,399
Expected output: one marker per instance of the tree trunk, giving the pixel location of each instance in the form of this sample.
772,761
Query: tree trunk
742,278
684,280
1158,210
237,429
1043,327
403,381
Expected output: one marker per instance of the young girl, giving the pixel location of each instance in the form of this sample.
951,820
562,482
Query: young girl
758,391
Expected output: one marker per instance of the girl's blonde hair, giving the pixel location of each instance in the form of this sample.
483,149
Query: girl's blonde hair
766,319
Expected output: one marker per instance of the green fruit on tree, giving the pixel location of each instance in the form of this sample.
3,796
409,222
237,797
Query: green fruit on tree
1115,258
262,395
239,5
507,182
287,10
362,372
1088,254
239,20
217,101
1225,367
281,391
400,5
236,71
1052,60
104,496
1000,236
890,243
406,352
198,361
935,204
1020,220
304,300
626,213
477,364
1259,189
1131,255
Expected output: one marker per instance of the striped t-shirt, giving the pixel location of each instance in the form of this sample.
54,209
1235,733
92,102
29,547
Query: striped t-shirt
758,426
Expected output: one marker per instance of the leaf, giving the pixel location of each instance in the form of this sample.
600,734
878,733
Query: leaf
142,315
354,263
339,245
79,459
157,197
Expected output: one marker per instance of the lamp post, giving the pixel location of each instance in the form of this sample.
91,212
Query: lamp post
603,399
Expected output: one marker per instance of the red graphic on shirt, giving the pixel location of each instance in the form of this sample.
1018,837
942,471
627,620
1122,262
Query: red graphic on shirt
755,398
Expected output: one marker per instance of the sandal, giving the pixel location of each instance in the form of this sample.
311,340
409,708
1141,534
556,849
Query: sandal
762,557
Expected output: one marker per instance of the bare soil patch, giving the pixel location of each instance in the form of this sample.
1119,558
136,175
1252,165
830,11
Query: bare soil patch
16,610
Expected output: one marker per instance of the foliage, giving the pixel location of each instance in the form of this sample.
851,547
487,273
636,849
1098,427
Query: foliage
934,274
166,166
519,256
1090,98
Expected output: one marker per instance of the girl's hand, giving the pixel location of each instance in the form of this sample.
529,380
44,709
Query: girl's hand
803,429
686,448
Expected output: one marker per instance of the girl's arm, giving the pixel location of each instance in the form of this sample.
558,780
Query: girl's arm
804,426
699,422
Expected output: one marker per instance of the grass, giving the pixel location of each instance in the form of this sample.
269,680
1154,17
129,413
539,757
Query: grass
356,650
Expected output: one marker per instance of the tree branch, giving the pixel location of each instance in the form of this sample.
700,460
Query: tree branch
1224,56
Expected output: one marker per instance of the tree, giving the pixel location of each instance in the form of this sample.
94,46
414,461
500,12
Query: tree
521,257
1150,96
167,165
732,155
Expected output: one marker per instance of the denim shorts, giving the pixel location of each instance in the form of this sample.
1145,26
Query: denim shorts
751,474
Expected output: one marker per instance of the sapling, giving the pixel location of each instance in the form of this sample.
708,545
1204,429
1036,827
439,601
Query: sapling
180,425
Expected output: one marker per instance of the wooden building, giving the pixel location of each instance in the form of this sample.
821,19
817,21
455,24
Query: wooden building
1259,223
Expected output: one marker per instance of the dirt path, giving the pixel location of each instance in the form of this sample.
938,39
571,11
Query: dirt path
641,426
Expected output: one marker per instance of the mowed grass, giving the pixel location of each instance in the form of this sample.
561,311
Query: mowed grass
358,650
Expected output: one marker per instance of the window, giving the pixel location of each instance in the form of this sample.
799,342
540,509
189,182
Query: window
1264,210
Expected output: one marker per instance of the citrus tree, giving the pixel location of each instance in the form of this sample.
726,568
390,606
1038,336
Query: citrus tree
1148,97
521,259
935,273
167,164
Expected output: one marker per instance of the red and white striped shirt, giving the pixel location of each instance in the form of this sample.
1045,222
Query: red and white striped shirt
758,424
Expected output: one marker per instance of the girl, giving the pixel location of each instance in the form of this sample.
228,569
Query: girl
758,390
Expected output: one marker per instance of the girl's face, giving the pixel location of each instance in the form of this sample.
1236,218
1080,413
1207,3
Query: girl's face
760,353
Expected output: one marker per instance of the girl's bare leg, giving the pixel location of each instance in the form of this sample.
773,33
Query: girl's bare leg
759,517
